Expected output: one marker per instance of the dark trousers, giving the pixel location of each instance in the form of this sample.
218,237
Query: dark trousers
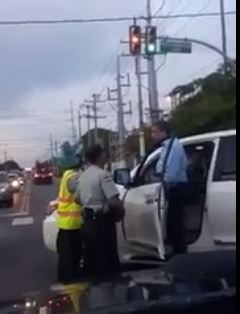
69,247
100,245
177,197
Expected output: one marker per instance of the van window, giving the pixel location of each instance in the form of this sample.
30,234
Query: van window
148,174
225,169
199,160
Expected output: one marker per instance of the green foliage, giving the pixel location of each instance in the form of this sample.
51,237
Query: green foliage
213,108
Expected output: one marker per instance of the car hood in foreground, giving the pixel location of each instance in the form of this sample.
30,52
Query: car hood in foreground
146,291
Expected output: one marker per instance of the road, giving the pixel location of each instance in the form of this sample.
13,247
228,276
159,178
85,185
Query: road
25,264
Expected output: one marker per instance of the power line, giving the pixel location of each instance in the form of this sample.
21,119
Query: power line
109,20
174,10
197,72
206,5
22,140
161,7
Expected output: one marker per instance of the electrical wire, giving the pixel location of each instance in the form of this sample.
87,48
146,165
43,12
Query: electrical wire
160,8
162,64
109,20
197,72
174,10
192,18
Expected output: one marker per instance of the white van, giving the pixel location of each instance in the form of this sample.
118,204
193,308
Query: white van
211,225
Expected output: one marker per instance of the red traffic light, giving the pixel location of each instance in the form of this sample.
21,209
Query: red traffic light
135,39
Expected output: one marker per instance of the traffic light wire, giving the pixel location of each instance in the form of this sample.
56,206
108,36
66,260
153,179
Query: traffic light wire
110,19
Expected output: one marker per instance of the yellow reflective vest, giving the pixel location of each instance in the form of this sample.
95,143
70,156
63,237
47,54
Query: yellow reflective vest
69,212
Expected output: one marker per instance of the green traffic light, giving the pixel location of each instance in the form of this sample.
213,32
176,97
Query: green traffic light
151,48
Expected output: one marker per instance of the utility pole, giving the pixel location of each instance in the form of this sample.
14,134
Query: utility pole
152,76
52,150
72,120
142,145
224,35
79,125
121,127
5,156
120,108
94,102
56,148
88,117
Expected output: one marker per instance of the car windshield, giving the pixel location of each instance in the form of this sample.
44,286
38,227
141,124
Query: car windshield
117,139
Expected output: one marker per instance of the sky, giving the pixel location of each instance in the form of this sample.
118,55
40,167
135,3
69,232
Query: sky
43,68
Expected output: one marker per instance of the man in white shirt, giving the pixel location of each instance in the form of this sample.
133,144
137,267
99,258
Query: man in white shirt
102,209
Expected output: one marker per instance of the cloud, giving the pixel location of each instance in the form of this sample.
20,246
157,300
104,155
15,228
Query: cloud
43,68
54,56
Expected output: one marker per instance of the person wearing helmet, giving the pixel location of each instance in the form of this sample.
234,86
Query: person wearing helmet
70,222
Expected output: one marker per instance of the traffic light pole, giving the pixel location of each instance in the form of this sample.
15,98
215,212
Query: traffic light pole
142,145
152,76
224,35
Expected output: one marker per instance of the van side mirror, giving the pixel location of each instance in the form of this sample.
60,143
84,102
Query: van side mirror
122,177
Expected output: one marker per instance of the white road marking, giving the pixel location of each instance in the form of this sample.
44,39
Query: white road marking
13,215
43,310
22,221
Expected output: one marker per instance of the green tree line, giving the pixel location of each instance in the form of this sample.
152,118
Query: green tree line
205,105
212,108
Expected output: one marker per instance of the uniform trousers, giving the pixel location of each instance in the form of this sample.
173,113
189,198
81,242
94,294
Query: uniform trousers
175,220
70,252
100,244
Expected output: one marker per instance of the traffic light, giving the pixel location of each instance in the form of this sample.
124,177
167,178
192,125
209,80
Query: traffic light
135,39
151,40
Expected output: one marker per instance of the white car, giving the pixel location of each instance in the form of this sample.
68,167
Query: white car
211,225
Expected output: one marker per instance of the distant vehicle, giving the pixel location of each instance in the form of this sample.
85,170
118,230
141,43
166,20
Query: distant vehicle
209,225
43,174
6,190
21,176
15,181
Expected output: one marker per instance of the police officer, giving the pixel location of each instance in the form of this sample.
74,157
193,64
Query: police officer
102,209
70,222
172,168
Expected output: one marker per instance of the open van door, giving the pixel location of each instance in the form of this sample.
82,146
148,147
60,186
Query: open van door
144,224
221,202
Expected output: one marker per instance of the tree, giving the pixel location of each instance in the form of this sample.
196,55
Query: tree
213,108
10,165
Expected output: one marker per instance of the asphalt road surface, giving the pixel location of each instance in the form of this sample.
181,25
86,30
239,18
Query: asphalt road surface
25,264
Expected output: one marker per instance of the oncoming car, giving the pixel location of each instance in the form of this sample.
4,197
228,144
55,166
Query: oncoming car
15,181
6,190
209,225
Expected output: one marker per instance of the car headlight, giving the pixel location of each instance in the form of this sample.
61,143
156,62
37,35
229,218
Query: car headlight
15,184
